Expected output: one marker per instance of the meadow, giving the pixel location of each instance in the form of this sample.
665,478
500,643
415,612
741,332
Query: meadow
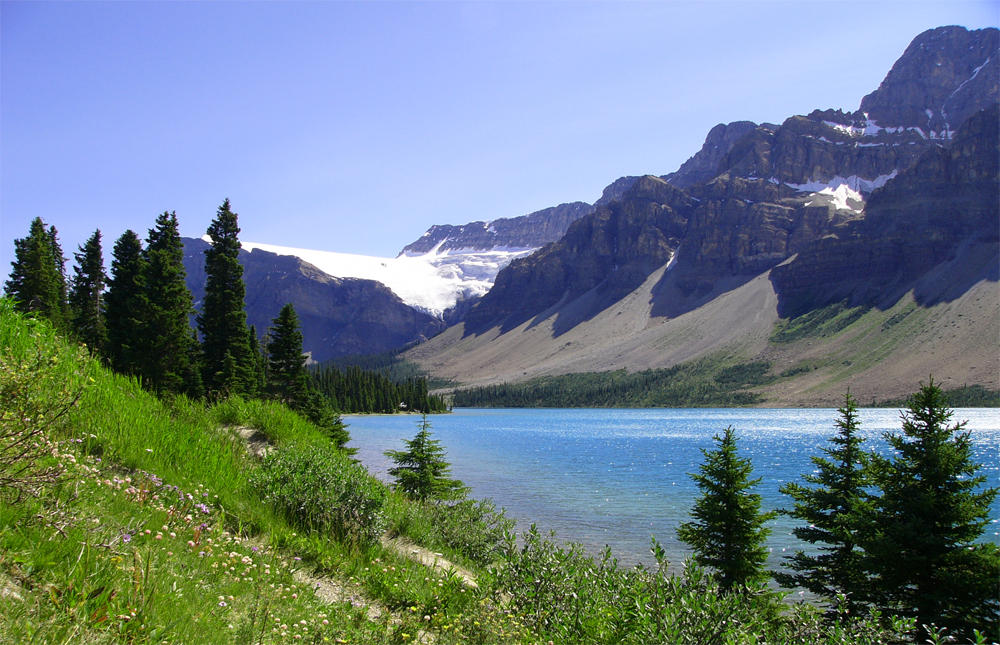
131,519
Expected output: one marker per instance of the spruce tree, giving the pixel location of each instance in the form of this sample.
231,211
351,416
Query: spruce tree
60,260
36,282
168,346
835,507
87,295
125,305
227,362
728,530
931,511
287,380
421,471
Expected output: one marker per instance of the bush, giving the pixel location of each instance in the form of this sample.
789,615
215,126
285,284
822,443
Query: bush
36,398
320,490
472,527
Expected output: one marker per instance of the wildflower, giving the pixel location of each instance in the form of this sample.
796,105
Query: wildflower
222,603
126,538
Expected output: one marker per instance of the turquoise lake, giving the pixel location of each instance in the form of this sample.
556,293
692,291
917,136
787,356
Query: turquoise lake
617,477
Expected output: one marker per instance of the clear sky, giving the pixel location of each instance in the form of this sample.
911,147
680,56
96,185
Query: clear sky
355,126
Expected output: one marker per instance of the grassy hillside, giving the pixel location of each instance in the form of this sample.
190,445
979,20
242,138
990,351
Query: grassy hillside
127,519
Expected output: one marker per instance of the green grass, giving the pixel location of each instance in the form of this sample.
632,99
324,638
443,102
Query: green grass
819,323
161,528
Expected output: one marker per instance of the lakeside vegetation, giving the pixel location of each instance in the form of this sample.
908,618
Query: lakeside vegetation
151,520
708,382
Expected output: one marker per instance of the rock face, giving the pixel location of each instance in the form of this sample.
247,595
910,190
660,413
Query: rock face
944,77
526,232
755,196
934,229
704,165
612,251
339,316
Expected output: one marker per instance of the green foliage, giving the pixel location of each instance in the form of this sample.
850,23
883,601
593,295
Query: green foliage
967,396
822,322
929,515
709,382
835,507
728,530
227,361
125,305
287,379
566,596
322,490
166,347
38,396
86,298
37,280
421,471
357,390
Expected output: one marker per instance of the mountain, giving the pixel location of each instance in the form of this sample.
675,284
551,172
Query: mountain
768,223
354,304
339,316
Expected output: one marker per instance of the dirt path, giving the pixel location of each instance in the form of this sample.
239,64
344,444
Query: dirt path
428,558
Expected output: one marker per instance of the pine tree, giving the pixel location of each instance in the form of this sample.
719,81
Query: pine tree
929,516
728,532
259,363
168,346
227,361
125,305
87,295
836,508
37,282
287,379
60,260
421,470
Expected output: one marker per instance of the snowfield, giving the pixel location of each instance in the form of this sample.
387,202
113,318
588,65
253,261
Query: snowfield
432,282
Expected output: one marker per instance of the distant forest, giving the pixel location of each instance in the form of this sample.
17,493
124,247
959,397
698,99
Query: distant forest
704,383
355,390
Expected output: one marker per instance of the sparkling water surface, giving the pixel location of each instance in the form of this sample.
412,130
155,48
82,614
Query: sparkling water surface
619,476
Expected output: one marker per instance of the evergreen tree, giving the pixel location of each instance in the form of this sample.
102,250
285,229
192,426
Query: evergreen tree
929,516
421,470
728,532
835,507
169,347
87,295
60,260
36,282
227,362
287,379
125,305
259,363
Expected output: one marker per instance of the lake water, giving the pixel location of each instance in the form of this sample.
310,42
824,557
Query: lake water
617,477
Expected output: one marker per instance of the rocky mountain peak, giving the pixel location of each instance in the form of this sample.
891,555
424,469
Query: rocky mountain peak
704,164
944,77
526,232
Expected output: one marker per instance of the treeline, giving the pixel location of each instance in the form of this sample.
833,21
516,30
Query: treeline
355,390
705,383
138,321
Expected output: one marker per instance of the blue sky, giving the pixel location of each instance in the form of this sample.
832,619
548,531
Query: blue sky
353,127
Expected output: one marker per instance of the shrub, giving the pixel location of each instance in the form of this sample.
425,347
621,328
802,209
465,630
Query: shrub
36,398
320,490
473,527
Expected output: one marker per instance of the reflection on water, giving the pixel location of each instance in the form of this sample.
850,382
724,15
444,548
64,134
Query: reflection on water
618,477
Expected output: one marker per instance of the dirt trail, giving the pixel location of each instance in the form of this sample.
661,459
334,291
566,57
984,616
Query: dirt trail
428,558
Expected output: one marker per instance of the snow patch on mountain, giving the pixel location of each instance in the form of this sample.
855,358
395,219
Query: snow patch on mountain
843,192
432,282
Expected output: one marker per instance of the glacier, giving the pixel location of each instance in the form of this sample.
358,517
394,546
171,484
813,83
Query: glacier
432,282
